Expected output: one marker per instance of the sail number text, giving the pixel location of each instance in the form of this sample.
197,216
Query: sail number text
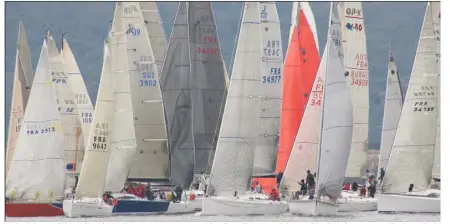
81,99
263,13
39,129
317,93
359,78
86,118
354,26
273,77
19,124
272,48
133,31
207,50
425,91
422,106
130,9
148,79
353,11
99,143
59,80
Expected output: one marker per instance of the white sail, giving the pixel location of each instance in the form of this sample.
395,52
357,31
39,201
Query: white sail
411,158
335,30
152,158
392,109
123,139
271,70
304,151
155,31
233,164
95,165
436,14
73,139
357,73
36,172
336,127
23,78
77,86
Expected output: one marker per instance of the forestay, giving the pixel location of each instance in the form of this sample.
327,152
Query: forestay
152,158
77,86
304,152
336,127
233,164
123,140
357,75
207,81
95,165
71,126
271,73
436,14
411,158
23,78
37,167
392,109
177,101
155,32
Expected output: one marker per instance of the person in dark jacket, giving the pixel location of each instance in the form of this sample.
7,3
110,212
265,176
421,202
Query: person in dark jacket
279,177
303,187
179,192
354,186
382,172
310,183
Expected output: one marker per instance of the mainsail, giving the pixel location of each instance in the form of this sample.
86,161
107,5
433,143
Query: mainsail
95,165
233,164
76,83
271,73
36,172
123,138
23,78
193,83
152,158
411,158
392,109
357,73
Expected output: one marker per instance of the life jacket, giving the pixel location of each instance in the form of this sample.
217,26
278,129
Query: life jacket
192,197
346,187
115,202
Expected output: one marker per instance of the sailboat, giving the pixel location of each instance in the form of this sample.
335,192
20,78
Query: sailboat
194,85
232,167
392,109
81,96
155,31
35,180
23,78
71,125
334,138
88,200
300,68
264,164
351,201
356,68
409,172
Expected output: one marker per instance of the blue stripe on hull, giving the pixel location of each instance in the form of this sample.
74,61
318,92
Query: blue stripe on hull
133,206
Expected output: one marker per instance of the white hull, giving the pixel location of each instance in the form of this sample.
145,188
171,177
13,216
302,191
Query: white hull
236,207
406,203
351,202
86,208
313,207
357,204
182,207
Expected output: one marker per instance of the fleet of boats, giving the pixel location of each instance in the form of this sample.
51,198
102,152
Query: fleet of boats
167,115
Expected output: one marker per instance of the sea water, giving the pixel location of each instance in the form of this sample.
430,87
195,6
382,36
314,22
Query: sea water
287,217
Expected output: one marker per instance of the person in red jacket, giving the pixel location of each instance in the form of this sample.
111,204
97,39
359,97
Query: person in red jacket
346,187
362,192
274,195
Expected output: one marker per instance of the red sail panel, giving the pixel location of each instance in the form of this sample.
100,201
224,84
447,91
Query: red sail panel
300,68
